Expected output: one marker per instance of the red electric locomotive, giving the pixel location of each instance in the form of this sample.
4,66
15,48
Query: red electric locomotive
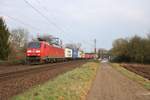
43,52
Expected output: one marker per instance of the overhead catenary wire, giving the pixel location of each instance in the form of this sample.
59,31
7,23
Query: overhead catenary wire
28,25
41,6
19,21
45,8
23,23
45,17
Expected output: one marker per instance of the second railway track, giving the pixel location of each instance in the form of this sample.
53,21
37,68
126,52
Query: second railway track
12,74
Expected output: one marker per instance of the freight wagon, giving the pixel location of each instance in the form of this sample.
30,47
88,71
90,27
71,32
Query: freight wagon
89,56
68,54
74,53
79,54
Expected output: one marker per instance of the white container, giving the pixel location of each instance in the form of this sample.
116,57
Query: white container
79,54
68,53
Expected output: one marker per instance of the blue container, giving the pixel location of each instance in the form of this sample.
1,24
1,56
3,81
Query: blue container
74,53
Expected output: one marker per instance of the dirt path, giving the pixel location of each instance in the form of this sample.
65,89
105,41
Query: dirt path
111,85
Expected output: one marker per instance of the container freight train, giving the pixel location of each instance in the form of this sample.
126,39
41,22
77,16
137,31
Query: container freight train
43,51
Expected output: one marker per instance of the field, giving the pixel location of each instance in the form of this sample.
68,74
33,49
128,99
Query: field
73,85
140,69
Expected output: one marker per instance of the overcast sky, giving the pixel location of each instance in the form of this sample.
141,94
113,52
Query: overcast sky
80,21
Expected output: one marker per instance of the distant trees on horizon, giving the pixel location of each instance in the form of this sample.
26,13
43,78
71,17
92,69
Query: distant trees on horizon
134,49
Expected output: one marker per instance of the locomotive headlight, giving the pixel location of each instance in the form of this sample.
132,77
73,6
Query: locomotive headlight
37,51
29,51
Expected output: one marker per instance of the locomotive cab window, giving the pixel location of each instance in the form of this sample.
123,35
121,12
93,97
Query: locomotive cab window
34,45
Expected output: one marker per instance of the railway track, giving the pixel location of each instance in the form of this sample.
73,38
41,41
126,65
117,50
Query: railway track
10,75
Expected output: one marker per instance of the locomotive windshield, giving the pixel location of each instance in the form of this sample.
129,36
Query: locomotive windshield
34,45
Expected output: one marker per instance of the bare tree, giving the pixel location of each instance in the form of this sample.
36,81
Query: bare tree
18,42
19,38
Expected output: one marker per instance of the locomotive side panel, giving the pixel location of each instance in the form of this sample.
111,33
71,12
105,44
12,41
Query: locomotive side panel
43,52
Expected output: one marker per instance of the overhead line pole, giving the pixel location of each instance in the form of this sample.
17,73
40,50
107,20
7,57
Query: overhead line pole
95,46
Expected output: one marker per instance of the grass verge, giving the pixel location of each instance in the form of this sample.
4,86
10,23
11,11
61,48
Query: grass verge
12,62
131,75
72,85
